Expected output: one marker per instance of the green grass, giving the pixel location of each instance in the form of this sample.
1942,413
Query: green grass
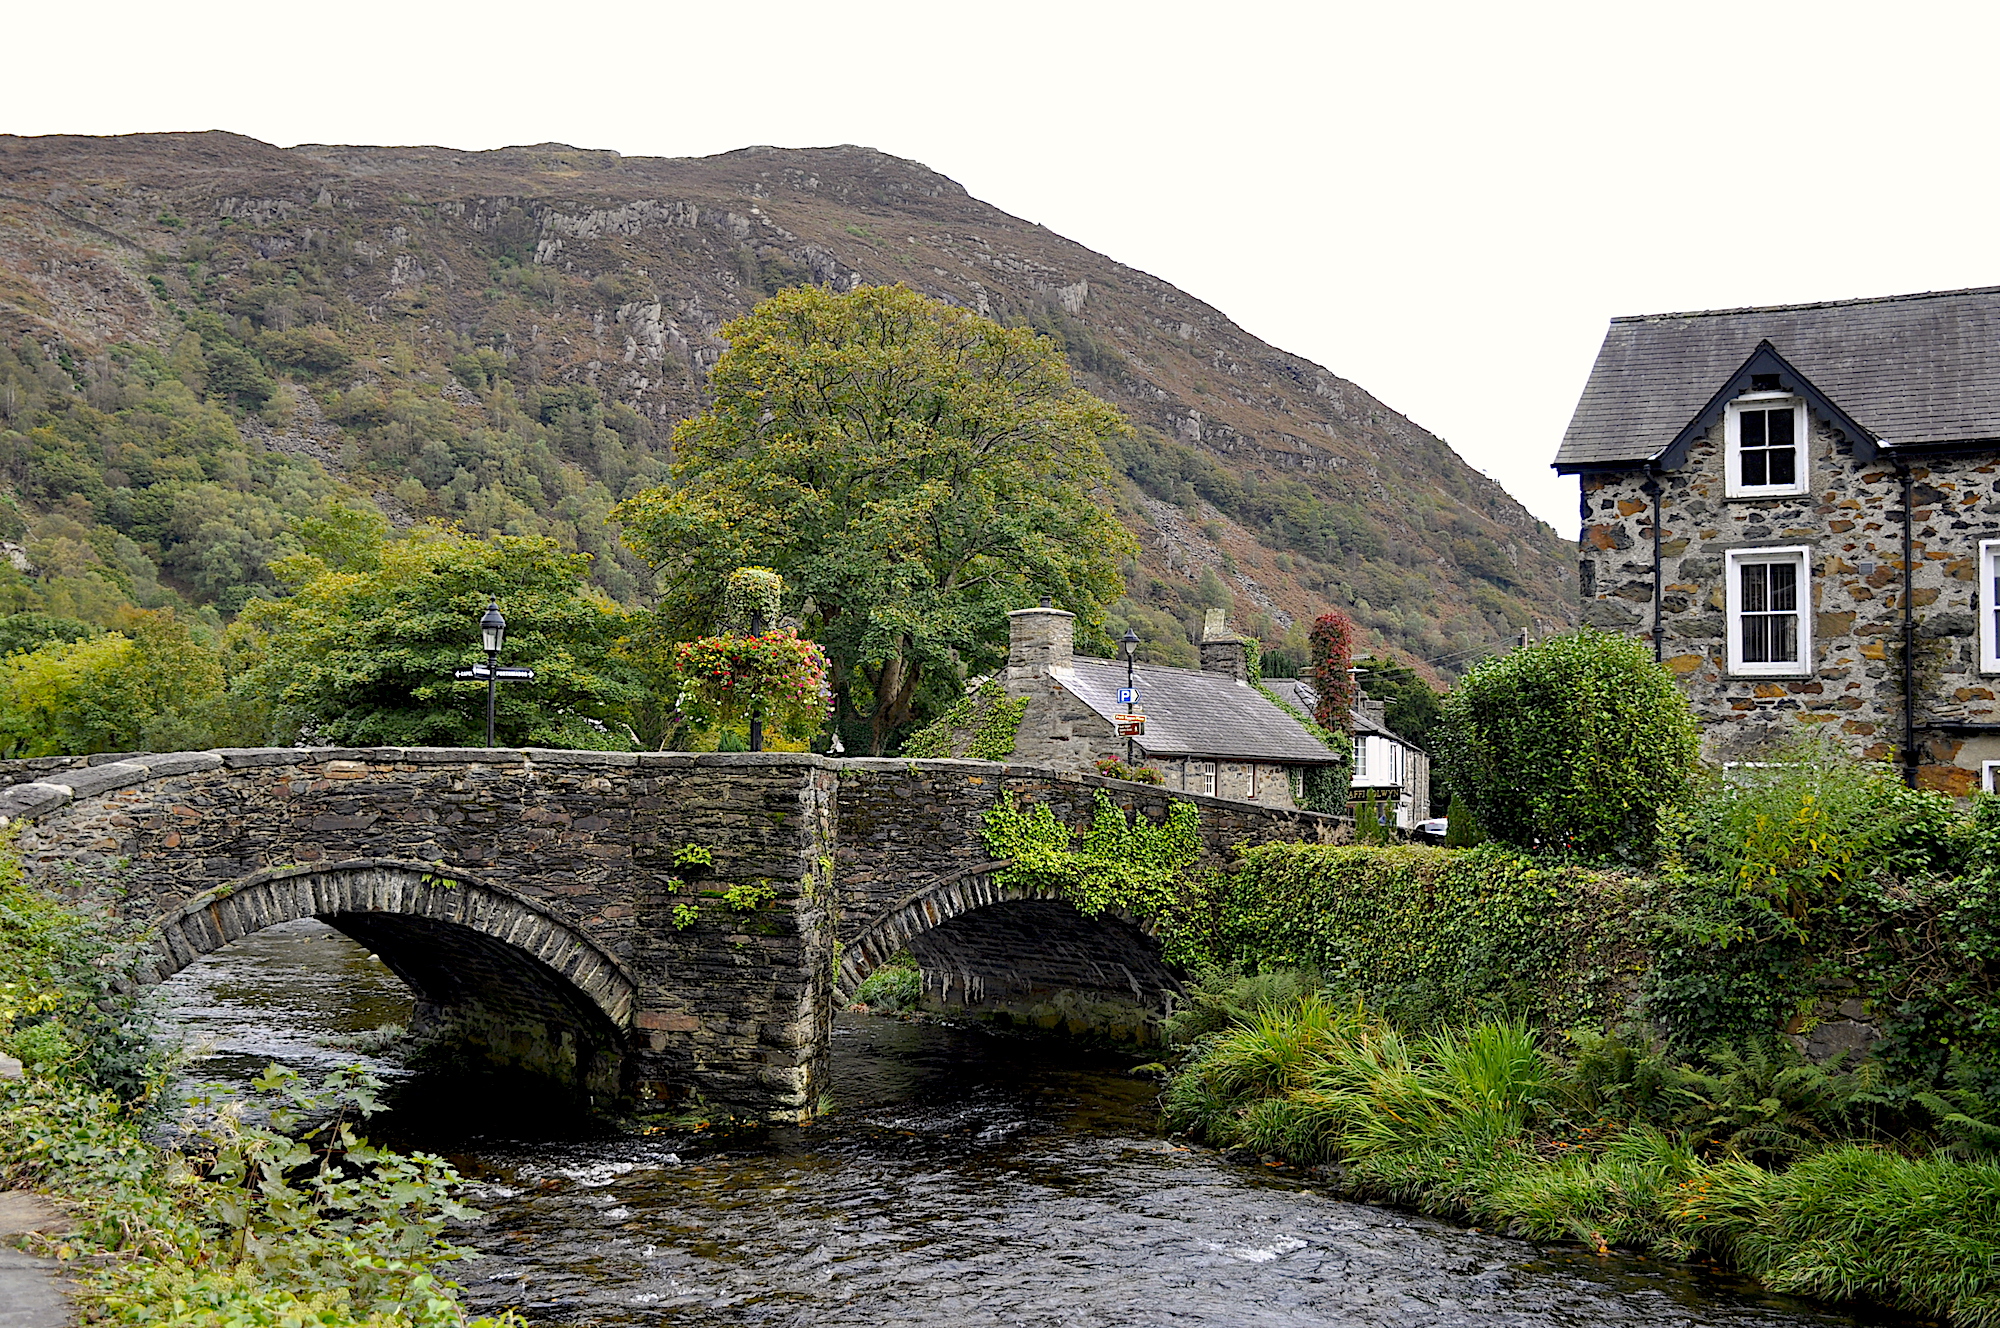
1794,1174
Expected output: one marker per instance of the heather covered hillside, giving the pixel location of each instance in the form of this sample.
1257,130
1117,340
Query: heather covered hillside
208,340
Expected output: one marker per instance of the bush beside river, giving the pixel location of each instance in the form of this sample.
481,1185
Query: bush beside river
291,1221
1821,1182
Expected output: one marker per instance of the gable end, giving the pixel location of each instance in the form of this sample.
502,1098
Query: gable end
1764,361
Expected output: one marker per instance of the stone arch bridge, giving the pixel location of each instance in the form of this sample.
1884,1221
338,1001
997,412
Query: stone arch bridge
572,912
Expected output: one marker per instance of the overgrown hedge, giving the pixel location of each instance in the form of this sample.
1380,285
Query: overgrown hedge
1426,934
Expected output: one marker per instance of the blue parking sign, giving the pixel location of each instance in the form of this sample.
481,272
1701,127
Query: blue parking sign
1128,696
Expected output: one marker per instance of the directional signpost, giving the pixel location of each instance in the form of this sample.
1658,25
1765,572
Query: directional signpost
492,632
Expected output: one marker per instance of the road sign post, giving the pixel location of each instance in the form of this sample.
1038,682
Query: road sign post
492,632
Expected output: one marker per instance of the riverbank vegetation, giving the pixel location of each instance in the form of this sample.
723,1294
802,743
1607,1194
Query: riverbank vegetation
1754,1017
271,1212
1819,1181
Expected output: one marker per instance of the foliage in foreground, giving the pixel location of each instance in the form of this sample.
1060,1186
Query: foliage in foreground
1787,1171
297,1221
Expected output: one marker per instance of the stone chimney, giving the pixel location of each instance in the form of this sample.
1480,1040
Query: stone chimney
1375,710
1039,640
1222,650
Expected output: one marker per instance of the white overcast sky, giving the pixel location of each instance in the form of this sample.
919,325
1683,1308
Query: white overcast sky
1442,202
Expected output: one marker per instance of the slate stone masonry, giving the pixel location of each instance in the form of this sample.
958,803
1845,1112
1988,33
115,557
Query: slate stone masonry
1853,521
534,902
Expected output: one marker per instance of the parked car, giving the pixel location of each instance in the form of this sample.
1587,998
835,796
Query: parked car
1433,829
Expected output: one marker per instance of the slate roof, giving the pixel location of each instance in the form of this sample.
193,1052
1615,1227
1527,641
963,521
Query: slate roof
1911,369
1210,716
1301,694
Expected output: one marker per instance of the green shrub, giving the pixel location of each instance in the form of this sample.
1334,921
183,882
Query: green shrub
891,987
1575,745
1802,829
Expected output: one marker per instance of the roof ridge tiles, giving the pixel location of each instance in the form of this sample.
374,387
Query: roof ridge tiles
1811,304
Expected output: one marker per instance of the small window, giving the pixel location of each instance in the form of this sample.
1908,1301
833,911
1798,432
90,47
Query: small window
1360,758
1989,606
1765,454
1987,770
1253,781
1769,597
1204,773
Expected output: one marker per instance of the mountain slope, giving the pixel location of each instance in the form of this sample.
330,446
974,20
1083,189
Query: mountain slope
506,339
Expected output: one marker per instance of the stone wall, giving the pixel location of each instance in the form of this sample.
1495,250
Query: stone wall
552,907
1853,520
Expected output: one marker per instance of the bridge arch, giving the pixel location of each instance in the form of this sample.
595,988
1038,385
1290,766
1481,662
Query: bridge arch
985,944
497,971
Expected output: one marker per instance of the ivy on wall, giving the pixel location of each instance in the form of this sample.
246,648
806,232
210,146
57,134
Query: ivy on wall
1423,934
981,725
1120,861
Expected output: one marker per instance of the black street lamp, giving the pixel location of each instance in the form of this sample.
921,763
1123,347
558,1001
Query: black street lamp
492,633
1128,650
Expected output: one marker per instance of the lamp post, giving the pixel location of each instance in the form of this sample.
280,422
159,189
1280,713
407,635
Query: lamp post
492,633
1128,650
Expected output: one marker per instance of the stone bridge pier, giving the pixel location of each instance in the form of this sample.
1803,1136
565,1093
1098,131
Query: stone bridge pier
651,929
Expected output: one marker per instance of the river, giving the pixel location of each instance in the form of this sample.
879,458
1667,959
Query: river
966,1178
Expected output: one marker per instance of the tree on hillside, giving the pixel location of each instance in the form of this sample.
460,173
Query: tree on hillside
1573,745
914,471
362,651
150,684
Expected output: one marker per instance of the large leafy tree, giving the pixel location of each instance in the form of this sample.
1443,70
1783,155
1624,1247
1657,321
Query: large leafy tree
148,684
913,470
363,650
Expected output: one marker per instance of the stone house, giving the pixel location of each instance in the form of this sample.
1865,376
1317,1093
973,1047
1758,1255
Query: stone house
1387,766
1799,507
1208,730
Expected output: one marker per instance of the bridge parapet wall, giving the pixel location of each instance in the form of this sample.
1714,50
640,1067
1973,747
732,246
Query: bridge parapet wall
730,964
733,1003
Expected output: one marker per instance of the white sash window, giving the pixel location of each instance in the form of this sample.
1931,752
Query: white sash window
1769,597
1989,606
1764,437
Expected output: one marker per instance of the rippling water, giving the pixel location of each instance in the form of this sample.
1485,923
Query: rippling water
967,1179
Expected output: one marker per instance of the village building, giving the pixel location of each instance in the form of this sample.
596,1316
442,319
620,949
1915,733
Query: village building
1799,509
1207,730
1389,772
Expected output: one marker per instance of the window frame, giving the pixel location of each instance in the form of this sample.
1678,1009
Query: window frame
1732,595
1986,774
1360,769
1732,446
1988,603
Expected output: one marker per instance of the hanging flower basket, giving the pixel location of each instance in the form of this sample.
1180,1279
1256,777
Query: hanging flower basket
776,678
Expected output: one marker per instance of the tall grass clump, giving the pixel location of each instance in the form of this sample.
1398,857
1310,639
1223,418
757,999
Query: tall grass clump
1815,1179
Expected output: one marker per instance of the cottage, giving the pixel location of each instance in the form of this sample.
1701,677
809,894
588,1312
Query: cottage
1208,730
1799,508
1389,770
